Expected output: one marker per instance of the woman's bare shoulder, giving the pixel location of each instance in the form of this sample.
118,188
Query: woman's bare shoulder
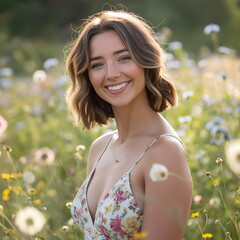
170,152
97,147
171,196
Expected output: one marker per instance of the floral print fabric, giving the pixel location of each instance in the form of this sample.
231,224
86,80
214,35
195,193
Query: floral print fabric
118,215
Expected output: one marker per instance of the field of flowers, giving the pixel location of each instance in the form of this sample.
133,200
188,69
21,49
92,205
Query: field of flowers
43,155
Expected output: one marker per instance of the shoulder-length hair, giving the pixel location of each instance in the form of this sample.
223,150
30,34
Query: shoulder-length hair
141,42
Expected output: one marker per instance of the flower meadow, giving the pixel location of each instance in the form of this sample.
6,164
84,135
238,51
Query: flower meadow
43,155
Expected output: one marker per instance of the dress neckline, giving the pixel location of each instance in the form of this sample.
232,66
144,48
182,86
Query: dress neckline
101,199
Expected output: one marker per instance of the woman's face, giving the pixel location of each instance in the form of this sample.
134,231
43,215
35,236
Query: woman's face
114,75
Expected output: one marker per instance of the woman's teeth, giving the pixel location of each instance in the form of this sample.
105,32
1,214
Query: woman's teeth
117,87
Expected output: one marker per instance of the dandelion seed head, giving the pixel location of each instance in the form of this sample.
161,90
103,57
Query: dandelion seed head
30,221
158,172
28,177
214,202
80,147
228,234
232,151
39,76
219,160
69,205
65,228
44,156
208,174
70,221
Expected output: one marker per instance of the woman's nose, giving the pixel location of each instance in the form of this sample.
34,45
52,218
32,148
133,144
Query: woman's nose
112,72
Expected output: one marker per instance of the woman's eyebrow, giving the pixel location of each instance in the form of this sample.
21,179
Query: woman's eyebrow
115,53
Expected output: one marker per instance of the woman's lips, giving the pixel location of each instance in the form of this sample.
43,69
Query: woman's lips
117,88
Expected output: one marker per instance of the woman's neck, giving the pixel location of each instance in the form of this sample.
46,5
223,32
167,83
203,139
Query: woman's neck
134,120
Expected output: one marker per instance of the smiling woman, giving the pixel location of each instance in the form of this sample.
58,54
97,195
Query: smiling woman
117,71
114,75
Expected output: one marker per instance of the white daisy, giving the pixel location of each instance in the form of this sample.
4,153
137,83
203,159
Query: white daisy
44,156
158,172
30,221
232,151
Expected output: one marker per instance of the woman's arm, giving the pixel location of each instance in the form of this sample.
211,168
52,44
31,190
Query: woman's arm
167,203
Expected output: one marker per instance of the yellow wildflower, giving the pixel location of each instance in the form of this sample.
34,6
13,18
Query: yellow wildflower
195,215
9,177
6,176
237,201
207,235
17,189
32,191
216,182
140,235
6,194
37,201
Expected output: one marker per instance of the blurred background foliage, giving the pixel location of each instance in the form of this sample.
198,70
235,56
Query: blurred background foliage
39,29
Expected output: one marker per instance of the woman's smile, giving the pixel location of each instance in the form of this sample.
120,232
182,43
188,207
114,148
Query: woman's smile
118,87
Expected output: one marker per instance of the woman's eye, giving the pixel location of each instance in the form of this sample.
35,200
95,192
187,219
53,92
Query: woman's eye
124,58
96,65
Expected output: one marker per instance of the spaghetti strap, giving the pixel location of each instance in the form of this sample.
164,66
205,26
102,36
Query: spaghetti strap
149,146
104,149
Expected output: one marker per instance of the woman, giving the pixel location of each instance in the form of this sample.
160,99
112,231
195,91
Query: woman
117,71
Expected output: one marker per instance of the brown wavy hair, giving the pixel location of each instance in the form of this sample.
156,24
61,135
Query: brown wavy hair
141,42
